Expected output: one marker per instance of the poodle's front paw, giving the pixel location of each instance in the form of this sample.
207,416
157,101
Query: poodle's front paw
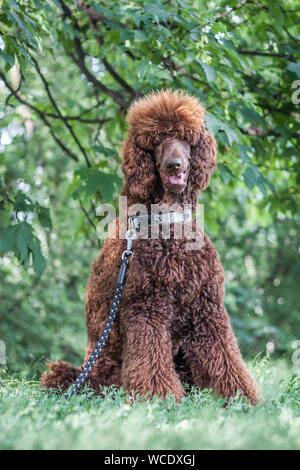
155,387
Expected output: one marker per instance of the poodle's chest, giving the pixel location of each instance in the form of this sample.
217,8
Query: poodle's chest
168,265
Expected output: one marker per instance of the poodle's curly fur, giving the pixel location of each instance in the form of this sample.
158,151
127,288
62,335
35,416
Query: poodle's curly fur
172,327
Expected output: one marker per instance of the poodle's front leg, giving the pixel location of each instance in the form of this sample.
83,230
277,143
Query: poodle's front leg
213,353
148,367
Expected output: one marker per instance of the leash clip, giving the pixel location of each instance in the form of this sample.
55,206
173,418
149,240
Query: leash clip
130,236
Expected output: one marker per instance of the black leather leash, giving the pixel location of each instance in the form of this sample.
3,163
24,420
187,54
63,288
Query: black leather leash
126,256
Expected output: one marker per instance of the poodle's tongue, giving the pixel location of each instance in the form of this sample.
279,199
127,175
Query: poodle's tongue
176,179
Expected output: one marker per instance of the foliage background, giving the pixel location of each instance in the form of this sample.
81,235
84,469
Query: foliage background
69,70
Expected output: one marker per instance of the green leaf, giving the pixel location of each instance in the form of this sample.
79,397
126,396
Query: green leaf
105,182
210,71
24,239
244,151
253,177
94,180
231,134
37,257
23,203
140,35
226,173
8,58
294,67
44,217
277,14
250,115
20,238
8,238
158,10
214,125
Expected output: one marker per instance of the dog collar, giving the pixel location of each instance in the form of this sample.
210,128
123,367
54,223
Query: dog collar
135,221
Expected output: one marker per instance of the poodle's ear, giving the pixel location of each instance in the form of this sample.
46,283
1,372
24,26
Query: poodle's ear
203,160
139,170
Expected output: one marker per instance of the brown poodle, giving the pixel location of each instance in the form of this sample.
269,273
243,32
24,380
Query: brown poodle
172,326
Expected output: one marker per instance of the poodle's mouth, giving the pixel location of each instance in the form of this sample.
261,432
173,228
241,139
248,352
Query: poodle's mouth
178,179
174,182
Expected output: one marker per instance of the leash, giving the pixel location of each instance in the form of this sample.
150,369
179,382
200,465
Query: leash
131,234
126,256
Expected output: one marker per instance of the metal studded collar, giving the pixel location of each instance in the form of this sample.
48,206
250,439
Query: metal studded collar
135,221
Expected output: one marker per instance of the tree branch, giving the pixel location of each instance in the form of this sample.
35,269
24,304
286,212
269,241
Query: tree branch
87,215
41,115
77,118
293,38
106,64
16,91
55,106
276,110
265,54
228,12
258,132
79,60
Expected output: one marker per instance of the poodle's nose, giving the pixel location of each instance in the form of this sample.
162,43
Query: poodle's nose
173,164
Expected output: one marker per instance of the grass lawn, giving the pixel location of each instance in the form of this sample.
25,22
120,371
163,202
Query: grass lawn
30,419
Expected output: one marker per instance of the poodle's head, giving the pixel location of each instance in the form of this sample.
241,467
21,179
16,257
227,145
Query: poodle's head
168,150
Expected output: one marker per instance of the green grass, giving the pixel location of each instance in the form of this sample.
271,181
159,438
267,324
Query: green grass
30,419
